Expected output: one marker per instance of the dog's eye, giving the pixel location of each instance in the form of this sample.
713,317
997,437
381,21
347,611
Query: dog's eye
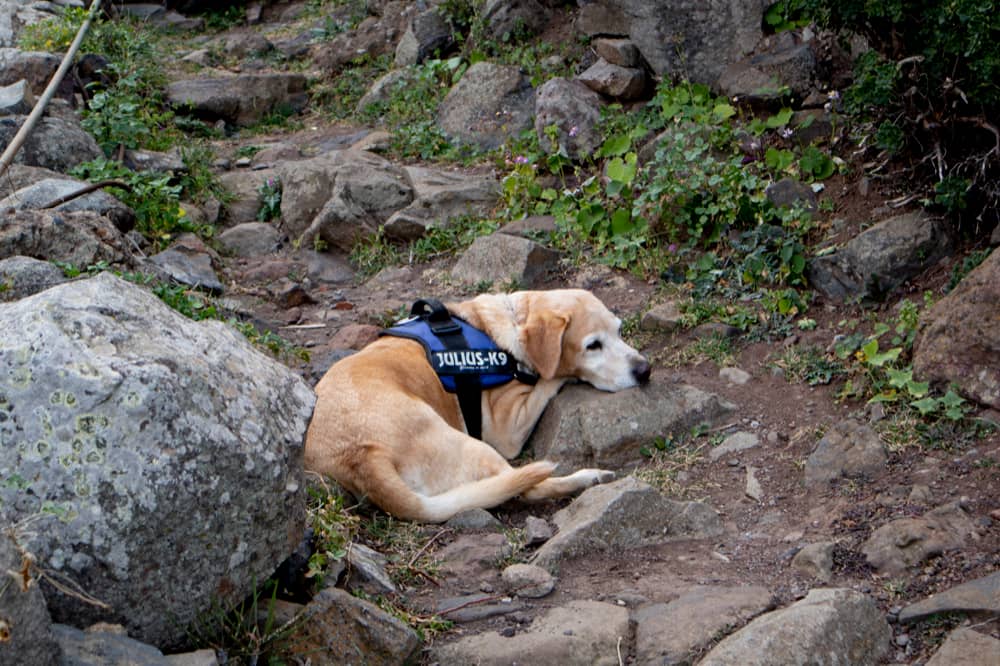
595,345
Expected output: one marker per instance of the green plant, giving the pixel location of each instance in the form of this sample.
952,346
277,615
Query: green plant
270,200
198,181
334,528
960,270
810,365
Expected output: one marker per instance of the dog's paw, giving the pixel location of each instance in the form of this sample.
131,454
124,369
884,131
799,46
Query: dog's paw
594,477
604,476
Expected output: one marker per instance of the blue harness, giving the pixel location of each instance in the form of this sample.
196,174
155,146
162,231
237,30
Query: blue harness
466,360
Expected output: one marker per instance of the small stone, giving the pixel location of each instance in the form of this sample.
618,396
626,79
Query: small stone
734,376
537,531
508,631
528,580
753,487
903,640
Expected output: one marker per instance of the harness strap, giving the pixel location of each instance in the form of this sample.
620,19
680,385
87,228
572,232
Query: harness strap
468,390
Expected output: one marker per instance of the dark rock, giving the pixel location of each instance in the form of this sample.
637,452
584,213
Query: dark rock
26,625
981,595
55,143
239,100
490,104
473,607
906,542
427,33
847,449
575,111
624,83
82,239
789,192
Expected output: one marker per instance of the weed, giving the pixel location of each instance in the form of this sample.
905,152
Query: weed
270,200
960,270
515,548
198,182
426,626
717,349
810,365
334,528
665,468
406,546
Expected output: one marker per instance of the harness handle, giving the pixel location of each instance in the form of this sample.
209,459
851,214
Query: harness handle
439,319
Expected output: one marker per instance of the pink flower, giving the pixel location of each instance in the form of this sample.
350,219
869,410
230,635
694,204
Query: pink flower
520,159
574,130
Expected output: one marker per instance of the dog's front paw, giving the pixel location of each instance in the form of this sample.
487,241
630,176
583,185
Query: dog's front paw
604,476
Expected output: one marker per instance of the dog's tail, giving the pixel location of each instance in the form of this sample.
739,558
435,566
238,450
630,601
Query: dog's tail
387,489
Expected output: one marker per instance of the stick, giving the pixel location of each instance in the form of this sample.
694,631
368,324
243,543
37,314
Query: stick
86,190
22,134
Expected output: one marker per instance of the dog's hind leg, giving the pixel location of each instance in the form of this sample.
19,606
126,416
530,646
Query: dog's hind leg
561,486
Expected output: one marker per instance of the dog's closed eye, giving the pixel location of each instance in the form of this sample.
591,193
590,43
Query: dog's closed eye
595,345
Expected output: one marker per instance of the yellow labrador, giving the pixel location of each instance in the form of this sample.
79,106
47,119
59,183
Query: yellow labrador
385,428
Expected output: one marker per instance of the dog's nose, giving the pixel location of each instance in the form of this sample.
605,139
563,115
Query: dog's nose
641,371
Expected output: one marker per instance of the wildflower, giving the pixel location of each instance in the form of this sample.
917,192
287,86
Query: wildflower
672,248
786,133
833,95
574,130
520,159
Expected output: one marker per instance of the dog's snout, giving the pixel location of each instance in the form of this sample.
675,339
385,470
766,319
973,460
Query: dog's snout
641,371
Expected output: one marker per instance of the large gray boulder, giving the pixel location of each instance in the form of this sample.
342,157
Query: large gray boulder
690,39
981,595
967,647
586,427
502,18
160,458
490,104
426,34
959,340
575,111
439,198
881,258
906,542
24,276
240,100
504,259
34,67
55,143
82,239
830,627
48,190
848,449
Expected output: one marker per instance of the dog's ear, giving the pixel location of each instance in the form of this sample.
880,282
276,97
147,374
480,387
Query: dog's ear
542,340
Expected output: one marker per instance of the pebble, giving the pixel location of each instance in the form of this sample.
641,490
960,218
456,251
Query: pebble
903,640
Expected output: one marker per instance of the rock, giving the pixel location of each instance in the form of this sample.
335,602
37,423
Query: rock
958,342
355,336
490,104
533,227
244,202
596,19
785,67
368,570
337,628
753,489
974,596
907,542
581,633
81,239
473,556
203,657
881,258
250,239
527,580
24,619
241,100
815,560
33,67
536,531
55,143
24,276
16,99
189,267
965,647
81,648
736,376
427,33
505,18
829,626
575,111
624,83
848,449
665,317
621,52
474,607
675,632
738,441
439,198
44,192
502,258
586,427
789,192
682,38
474,519
157,162
621,515
121,410
240,44
384,87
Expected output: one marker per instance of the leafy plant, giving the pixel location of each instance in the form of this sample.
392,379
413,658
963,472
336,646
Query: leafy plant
966,266
270,200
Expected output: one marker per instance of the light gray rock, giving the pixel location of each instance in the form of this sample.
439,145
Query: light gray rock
687,38
738,441
815,560
490,104
979,595
623,83
158,453
157,162
674,632
188,266
881,258
956,344
244,200
736,376
906,542
502,258
753,489
849,448
527,580
48,190
581,633
621,52
85,648
474,519
240,100
81,239
241,43
575,111
426,34
830,627
384,88
536,531
55,143
665,317
34,67
16,99
250,239
24,276
203,657
966,647
27,627
621,515
368,570
586,427
337,628
439,198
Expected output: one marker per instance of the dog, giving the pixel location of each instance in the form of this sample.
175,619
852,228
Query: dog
385,428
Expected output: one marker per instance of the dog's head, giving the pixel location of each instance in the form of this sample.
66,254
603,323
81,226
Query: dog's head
570,333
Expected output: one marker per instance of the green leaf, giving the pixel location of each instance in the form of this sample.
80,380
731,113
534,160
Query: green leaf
621,222
918,389
617,144
889,355
880,330
723,111
925,406
885,396
952,399
899,378
780,119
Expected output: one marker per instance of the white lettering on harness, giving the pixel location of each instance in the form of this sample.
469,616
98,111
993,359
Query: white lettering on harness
470,359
